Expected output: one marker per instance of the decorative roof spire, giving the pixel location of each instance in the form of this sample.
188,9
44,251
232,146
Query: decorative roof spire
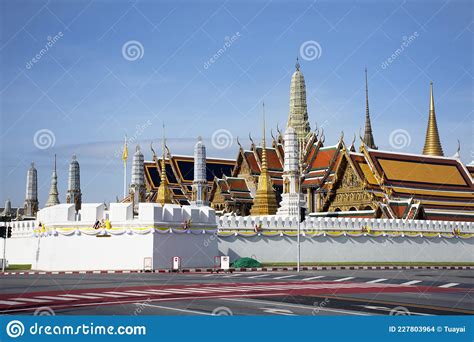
264,144
298,114
368,136
264,202
164,193
432,142
53,197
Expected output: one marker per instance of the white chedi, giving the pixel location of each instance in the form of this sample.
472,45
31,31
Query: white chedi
291,199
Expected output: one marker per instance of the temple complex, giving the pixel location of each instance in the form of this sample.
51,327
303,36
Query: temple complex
298,174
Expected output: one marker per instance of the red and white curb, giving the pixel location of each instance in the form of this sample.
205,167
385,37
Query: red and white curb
255,269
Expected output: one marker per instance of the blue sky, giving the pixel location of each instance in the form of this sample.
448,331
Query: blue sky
87,93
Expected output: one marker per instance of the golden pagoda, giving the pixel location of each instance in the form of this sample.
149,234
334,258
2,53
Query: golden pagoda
432,143
163,195
265,202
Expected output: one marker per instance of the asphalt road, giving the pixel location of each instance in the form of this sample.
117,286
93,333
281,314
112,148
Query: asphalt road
353,292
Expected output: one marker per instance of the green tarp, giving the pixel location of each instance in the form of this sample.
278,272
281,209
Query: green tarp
246,262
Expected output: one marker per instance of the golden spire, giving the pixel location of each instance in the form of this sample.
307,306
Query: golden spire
368,136
164,194
432,143
264,202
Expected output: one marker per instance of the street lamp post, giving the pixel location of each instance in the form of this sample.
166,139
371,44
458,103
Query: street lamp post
298,253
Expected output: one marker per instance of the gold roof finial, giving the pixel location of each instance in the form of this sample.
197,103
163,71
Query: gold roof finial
264,202
432,142
164,194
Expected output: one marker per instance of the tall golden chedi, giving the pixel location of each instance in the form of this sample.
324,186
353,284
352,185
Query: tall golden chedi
163,195
265,202
432,142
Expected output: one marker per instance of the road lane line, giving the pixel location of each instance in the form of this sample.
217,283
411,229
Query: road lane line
344,279
287,276
445,286
233,275
296,306
411,282
311,278
376,281
177,309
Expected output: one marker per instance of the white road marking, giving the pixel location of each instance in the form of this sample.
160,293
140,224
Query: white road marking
258,276
445,286
174,291
79,296
55,298
234,275
383,308
344,279
32,300
209,275
296,306
411,282
9,302
287,276
177,309
125,293
311,278
376,281
104,295
148,292
276,311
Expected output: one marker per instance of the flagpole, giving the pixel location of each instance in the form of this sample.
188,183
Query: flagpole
124,178
124,158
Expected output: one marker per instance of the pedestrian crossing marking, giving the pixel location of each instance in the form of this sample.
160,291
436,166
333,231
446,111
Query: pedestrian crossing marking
376,281
411,282
312,278
287,276
344,279
55,298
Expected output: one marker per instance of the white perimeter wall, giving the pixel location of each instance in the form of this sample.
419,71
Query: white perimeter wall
118,252
347,249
